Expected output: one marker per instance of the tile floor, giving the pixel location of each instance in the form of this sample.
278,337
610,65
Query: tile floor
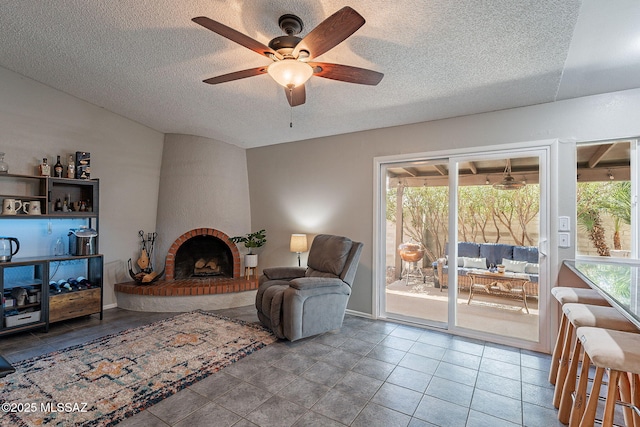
369,373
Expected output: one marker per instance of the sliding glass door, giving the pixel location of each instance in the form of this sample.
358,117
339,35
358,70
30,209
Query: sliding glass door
416,226
496,223
447,225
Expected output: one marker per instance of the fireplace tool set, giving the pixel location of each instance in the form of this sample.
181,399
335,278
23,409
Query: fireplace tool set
145,273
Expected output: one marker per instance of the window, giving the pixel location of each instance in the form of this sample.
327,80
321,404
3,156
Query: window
605,199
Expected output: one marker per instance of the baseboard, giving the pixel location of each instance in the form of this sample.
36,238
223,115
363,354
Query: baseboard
358,313
110,306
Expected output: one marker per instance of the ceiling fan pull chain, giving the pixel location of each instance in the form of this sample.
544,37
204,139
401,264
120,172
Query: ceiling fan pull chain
291,107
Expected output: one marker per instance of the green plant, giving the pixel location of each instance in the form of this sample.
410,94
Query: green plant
619,206
253,240
591,204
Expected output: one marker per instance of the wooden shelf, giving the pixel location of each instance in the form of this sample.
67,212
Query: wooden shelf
35,272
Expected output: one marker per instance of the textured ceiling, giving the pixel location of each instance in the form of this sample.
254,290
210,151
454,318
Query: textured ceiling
146,59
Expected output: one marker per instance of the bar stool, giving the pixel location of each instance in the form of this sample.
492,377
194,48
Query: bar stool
618,352
579,315
564,295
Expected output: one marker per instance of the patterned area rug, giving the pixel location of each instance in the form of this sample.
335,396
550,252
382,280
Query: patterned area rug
104,381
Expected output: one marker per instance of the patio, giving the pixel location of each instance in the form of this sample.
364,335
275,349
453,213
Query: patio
486,313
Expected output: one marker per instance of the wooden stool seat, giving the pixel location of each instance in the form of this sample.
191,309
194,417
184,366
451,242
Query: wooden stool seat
565,295
618,352
579,315
597,316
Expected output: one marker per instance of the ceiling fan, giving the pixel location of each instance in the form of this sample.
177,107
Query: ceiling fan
292,56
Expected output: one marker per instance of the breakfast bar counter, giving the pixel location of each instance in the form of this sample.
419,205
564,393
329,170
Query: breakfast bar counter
618,283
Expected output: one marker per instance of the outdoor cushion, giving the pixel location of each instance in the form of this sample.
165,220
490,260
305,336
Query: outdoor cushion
495,252
514,266
475,263
525,253
468,249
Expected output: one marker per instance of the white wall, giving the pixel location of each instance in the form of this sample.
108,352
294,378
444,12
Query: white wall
322,185
326,184
203,183
38,121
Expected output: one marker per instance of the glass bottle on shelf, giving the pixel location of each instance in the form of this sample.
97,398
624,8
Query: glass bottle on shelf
45,169
71,168
57,169
4,167
58,249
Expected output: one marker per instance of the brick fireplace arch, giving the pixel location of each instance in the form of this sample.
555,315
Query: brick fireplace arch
171,256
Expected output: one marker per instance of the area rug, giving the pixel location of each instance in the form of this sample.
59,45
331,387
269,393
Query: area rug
106,380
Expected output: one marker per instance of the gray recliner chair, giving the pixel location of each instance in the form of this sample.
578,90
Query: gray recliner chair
298,302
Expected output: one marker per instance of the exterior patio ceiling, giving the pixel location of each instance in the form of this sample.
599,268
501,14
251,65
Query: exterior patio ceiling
596,162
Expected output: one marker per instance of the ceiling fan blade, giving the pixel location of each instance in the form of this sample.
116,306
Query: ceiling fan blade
237,75
330,32
236,36
296,96
346,73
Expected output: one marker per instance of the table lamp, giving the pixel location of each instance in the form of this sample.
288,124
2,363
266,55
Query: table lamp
298,244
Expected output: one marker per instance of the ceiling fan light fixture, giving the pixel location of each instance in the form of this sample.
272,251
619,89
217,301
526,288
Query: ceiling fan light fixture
290,72
508,182
291,53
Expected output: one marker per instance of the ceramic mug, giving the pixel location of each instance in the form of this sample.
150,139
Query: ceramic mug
11,206
32,207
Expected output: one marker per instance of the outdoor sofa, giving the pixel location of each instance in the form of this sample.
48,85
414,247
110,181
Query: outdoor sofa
519,261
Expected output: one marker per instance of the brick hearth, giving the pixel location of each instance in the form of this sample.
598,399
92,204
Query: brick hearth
189,287
213,292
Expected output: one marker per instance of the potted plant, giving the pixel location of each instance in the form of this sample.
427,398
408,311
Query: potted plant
253,240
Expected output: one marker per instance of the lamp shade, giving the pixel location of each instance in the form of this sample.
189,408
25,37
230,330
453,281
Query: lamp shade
290,72
298,243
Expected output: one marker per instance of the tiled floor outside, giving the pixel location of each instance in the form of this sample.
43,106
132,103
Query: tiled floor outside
369,373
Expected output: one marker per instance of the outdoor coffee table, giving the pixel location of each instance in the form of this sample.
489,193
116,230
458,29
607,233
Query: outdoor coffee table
506,285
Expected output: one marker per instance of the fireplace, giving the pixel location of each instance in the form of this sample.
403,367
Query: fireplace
210,263
203,256
202,253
